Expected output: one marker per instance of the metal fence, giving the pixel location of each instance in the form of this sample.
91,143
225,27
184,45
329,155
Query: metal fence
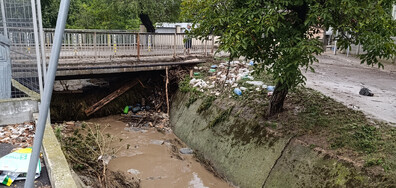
93,45
17,24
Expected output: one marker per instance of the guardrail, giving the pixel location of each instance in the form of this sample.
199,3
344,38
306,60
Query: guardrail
109,44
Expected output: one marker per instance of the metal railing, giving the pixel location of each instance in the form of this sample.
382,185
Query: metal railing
92,45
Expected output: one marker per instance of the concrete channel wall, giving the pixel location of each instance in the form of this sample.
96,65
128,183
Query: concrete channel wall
19,110
274,161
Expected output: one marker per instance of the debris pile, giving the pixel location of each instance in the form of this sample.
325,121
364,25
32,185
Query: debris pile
20,135
234,74
146,119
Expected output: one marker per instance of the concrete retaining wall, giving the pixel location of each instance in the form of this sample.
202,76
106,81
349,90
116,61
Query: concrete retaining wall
264,160
13,111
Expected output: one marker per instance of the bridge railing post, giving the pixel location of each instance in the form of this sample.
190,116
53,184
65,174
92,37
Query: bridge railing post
95,48
138,46
174,45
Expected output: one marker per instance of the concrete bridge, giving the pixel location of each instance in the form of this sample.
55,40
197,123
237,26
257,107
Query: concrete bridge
93,52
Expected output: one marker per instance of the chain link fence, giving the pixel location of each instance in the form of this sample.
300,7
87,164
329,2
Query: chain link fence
17,24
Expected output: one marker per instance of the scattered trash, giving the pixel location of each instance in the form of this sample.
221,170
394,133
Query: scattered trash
212,70
146,119
255,83
197,73
136,109
251,63
270,93
14,166
126,109
270,88
213,66
243,88
366,92
237,91
186,151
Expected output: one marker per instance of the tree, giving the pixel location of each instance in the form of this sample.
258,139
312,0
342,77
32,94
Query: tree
110,14
279,34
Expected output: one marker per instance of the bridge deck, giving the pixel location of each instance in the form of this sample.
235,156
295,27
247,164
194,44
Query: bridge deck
88,52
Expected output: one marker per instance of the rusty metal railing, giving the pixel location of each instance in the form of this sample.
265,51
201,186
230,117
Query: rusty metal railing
110,44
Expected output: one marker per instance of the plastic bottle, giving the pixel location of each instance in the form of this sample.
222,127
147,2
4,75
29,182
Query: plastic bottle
271,88
237,91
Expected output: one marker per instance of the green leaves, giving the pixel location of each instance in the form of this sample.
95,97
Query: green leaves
109,14
278,34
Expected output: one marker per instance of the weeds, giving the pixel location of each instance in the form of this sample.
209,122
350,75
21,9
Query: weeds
206,104
219,118
191,100
89,150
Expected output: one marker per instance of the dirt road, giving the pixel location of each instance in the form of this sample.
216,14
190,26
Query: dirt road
342,77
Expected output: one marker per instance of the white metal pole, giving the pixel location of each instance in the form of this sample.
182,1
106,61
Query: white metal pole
42,41
37,46
3,15
335,43
49,82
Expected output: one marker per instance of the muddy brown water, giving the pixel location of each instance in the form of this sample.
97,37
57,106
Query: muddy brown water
154,158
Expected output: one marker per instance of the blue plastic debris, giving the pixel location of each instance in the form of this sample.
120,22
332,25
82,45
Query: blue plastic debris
271,88
237,91
213,66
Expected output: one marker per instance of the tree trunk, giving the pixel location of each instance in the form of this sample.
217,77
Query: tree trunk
277,99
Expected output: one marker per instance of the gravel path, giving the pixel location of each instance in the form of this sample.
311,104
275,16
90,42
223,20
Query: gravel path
342,77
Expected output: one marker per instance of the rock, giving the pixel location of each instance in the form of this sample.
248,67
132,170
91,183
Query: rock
70,123
157,142
133,171
188,151
366,92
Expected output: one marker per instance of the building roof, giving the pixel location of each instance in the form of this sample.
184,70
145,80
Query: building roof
171,25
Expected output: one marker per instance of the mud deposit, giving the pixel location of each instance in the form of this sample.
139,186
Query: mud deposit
154,157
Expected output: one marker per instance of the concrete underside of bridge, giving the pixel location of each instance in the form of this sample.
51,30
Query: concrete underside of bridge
88,68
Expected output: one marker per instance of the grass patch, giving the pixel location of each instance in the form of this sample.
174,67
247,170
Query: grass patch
331,125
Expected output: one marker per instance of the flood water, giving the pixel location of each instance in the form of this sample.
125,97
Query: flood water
154,158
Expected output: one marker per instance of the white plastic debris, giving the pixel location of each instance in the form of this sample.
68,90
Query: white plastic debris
256,83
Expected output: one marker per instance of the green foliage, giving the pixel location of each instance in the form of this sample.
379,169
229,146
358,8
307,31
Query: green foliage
206,104
219,118
191,100
374,162
279,34
109,14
